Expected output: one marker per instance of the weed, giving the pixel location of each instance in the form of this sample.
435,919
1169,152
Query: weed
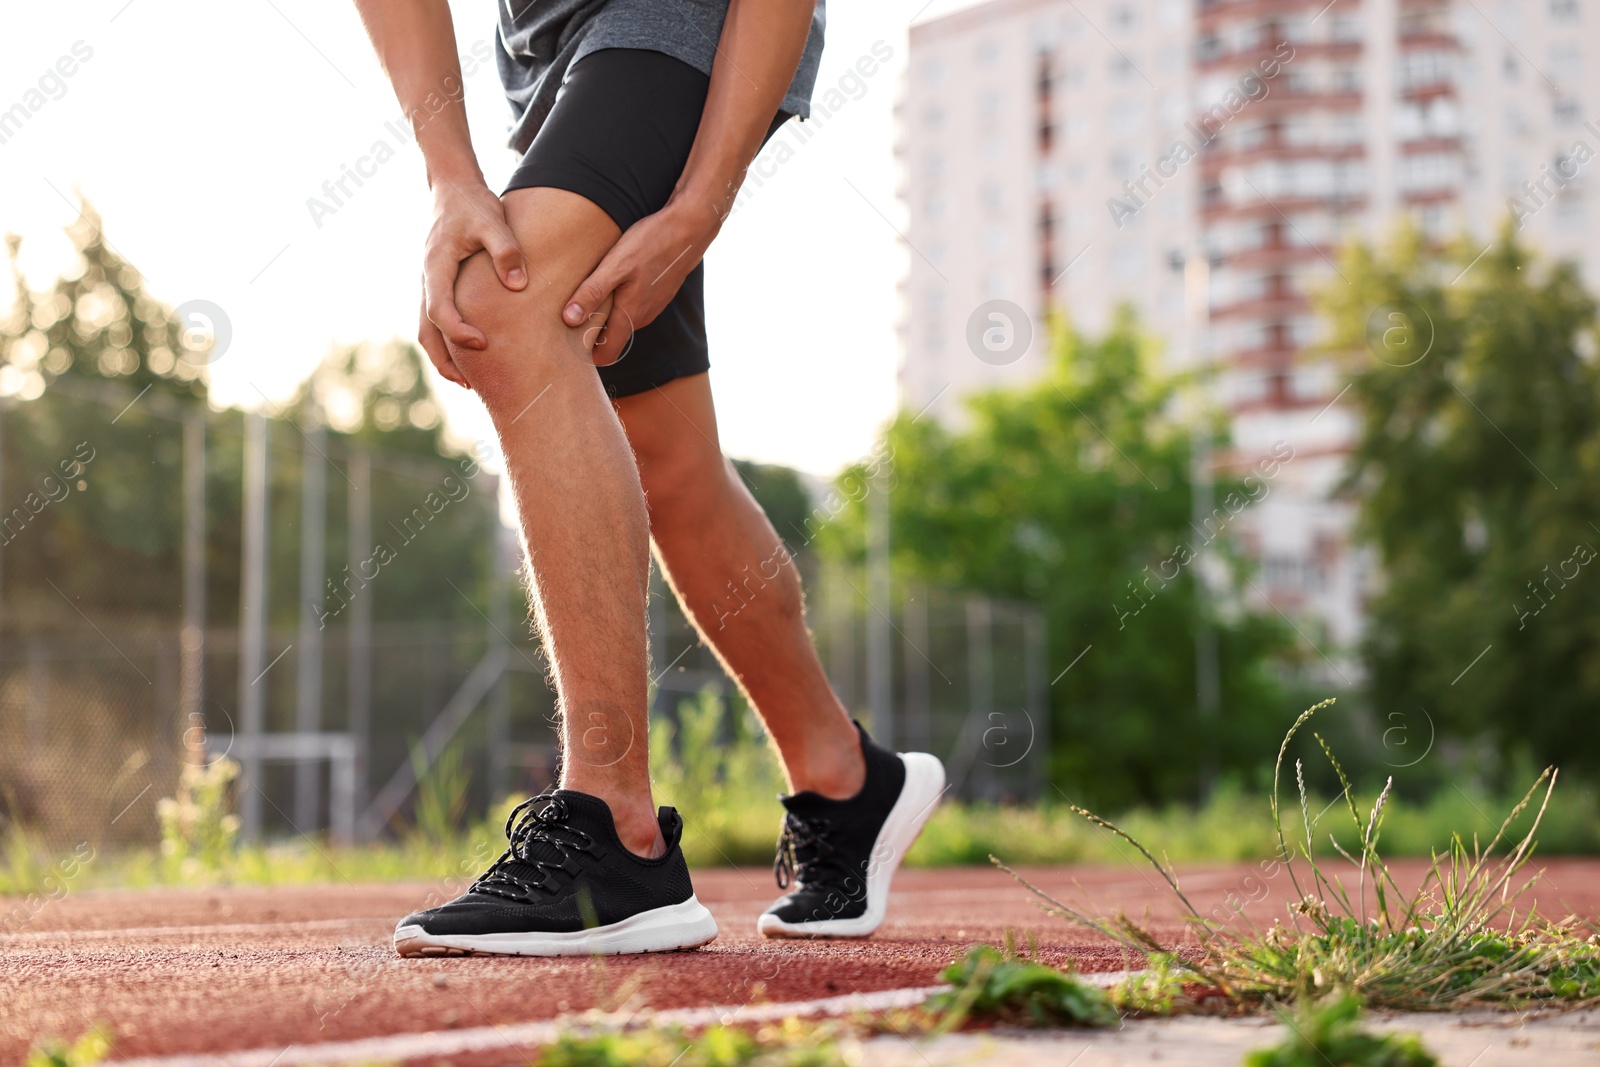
1156,990
1328,1032
1004,987
726,786
441,798
198,827
25,865
792,1043
1454,942
93,1047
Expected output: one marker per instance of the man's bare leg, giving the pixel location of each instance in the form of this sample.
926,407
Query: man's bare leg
578,497
710,532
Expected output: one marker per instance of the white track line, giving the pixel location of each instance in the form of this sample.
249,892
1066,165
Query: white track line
432,1043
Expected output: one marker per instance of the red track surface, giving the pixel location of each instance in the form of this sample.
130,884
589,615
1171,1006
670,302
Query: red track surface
213,970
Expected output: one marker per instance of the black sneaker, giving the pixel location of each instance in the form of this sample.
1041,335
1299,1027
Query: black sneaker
840,855
566,886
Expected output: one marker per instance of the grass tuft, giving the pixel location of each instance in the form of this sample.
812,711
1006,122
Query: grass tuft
792,1043
1329,1032
1002,987
91,1048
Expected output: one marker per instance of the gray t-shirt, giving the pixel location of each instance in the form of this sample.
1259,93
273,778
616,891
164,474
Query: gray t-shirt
540,39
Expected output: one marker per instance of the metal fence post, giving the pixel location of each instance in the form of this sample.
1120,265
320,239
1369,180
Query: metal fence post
252,622
359,650
880,649
308,676
1035,636
192,637
918,715
499,633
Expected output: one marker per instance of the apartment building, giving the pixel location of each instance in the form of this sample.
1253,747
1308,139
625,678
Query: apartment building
1077,153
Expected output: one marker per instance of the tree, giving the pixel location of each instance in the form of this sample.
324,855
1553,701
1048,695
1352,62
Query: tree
1074,494
1478,470
102,376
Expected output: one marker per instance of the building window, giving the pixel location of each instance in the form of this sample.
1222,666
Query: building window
1430,67
1431,170
1566,110
1564,11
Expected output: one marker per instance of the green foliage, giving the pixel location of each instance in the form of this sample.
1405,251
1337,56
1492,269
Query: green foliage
1001,986
1074,494
1229,827
441,798
1476,469
198,826
719,771
1329,1033
789,1044
1452,942
93,1047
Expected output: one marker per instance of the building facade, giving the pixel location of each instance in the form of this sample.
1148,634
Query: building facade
1078,154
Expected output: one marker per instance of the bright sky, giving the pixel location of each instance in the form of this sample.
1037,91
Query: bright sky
199,130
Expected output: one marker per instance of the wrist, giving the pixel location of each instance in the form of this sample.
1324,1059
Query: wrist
703,203
451,168
457,182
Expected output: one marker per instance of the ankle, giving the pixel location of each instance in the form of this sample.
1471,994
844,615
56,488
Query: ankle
633,816
641,836
837,771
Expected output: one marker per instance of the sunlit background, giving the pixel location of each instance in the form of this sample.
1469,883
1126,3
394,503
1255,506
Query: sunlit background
202,167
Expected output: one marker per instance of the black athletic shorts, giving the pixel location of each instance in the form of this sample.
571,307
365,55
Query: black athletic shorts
619,135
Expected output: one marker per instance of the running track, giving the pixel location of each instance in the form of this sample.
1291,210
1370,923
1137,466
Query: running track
193,972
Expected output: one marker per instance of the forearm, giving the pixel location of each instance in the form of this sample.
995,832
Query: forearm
760,48
416,43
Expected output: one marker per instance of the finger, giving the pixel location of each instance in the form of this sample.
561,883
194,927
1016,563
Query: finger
508,261
439,283
432,342
609,333
591,294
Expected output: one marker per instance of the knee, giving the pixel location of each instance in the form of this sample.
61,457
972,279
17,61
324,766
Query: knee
481,298
523,328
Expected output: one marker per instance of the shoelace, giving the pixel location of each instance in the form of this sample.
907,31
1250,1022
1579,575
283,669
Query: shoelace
544,819
803,849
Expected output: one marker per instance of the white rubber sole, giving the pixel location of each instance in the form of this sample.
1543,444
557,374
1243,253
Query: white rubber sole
918,797
670,929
